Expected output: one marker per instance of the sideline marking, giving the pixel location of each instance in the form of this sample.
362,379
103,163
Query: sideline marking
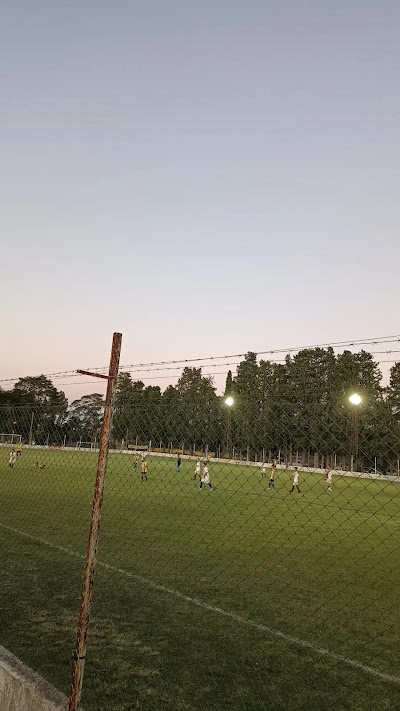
211,608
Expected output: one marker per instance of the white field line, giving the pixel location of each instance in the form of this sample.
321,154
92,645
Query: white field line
211,608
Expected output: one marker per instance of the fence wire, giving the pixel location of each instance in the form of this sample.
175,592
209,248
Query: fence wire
249,548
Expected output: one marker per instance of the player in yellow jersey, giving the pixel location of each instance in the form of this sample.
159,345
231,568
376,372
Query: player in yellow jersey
18,449
143,469
271,483
135,462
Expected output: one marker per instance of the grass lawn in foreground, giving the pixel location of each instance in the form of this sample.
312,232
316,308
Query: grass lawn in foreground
321,567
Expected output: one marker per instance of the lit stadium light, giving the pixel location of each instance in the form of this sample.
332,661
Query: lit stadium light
355,399
229,401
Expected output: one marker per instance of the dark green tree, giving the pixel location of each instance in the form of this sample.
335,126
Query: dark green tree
393,390
128,422
198,409
228,384
84,418
152,421
40,409
171,416
246,411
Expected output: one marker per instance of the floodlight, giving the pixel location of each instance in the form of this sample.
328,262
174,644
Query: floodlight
355,399
229,401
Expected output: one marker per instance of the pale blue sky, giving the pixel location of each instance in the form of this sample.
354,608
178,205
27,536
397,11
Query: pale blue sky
205,177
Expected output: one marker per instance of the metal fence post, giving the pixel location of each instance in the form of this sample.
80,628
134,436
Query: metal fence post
93,538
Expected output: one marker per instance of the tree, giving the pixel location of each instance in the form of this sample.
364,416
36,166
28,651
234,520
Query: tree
393,391
7,397
85,417
309,378
357,372
39,390
128,409
198,414
246,412
272,422
170,414
303,404
39,409
228,384
152,420
386,434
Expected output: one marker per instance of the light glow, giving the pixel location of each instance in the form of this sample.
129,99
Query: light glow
355,399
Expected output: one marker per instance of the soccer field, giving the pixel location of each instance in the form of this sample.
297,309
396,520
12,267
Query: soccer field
240,598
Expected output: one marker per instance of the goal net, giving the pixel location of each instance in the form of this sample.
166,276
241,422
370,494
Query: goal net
11,438
85,445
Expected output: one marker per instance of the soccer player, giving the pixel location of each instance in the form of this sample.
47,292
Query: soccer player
135,462
178,464
263,470
328,478
205,478
143,469
12,459
18,449
295,480
271,483
197,470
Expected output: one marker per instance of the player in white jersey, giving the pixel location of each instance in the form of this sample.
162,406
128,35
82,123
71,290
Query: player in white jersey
205,478
197,469
295,484
12,459
263,470
328,478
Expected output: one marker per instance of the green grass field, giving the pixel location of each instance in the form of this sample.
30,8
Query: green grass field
204,601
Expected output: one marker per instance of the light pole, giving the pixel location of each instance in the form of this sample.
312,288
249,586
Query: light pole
355,400
229,402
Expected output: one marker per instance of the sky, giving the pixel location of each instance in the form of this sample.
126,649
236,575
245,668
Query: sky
206,178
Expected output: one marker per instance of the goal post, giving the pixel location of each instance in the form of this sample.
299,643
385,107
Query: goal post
85,445
10,438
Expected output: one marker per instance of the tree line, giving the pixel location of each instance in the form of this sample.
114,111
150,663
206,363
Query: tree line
300,405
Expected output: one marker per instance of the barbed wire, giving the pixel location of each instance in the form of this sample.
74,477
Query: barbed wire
171,376
338,344
235,363
179,363
161,377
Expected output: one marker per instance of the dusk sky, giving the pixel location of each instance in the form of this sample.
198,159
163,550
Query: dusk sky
206,178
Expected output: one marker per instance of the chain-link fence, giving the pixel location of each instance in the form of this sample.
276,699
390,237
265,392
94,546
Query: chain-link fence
249,547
